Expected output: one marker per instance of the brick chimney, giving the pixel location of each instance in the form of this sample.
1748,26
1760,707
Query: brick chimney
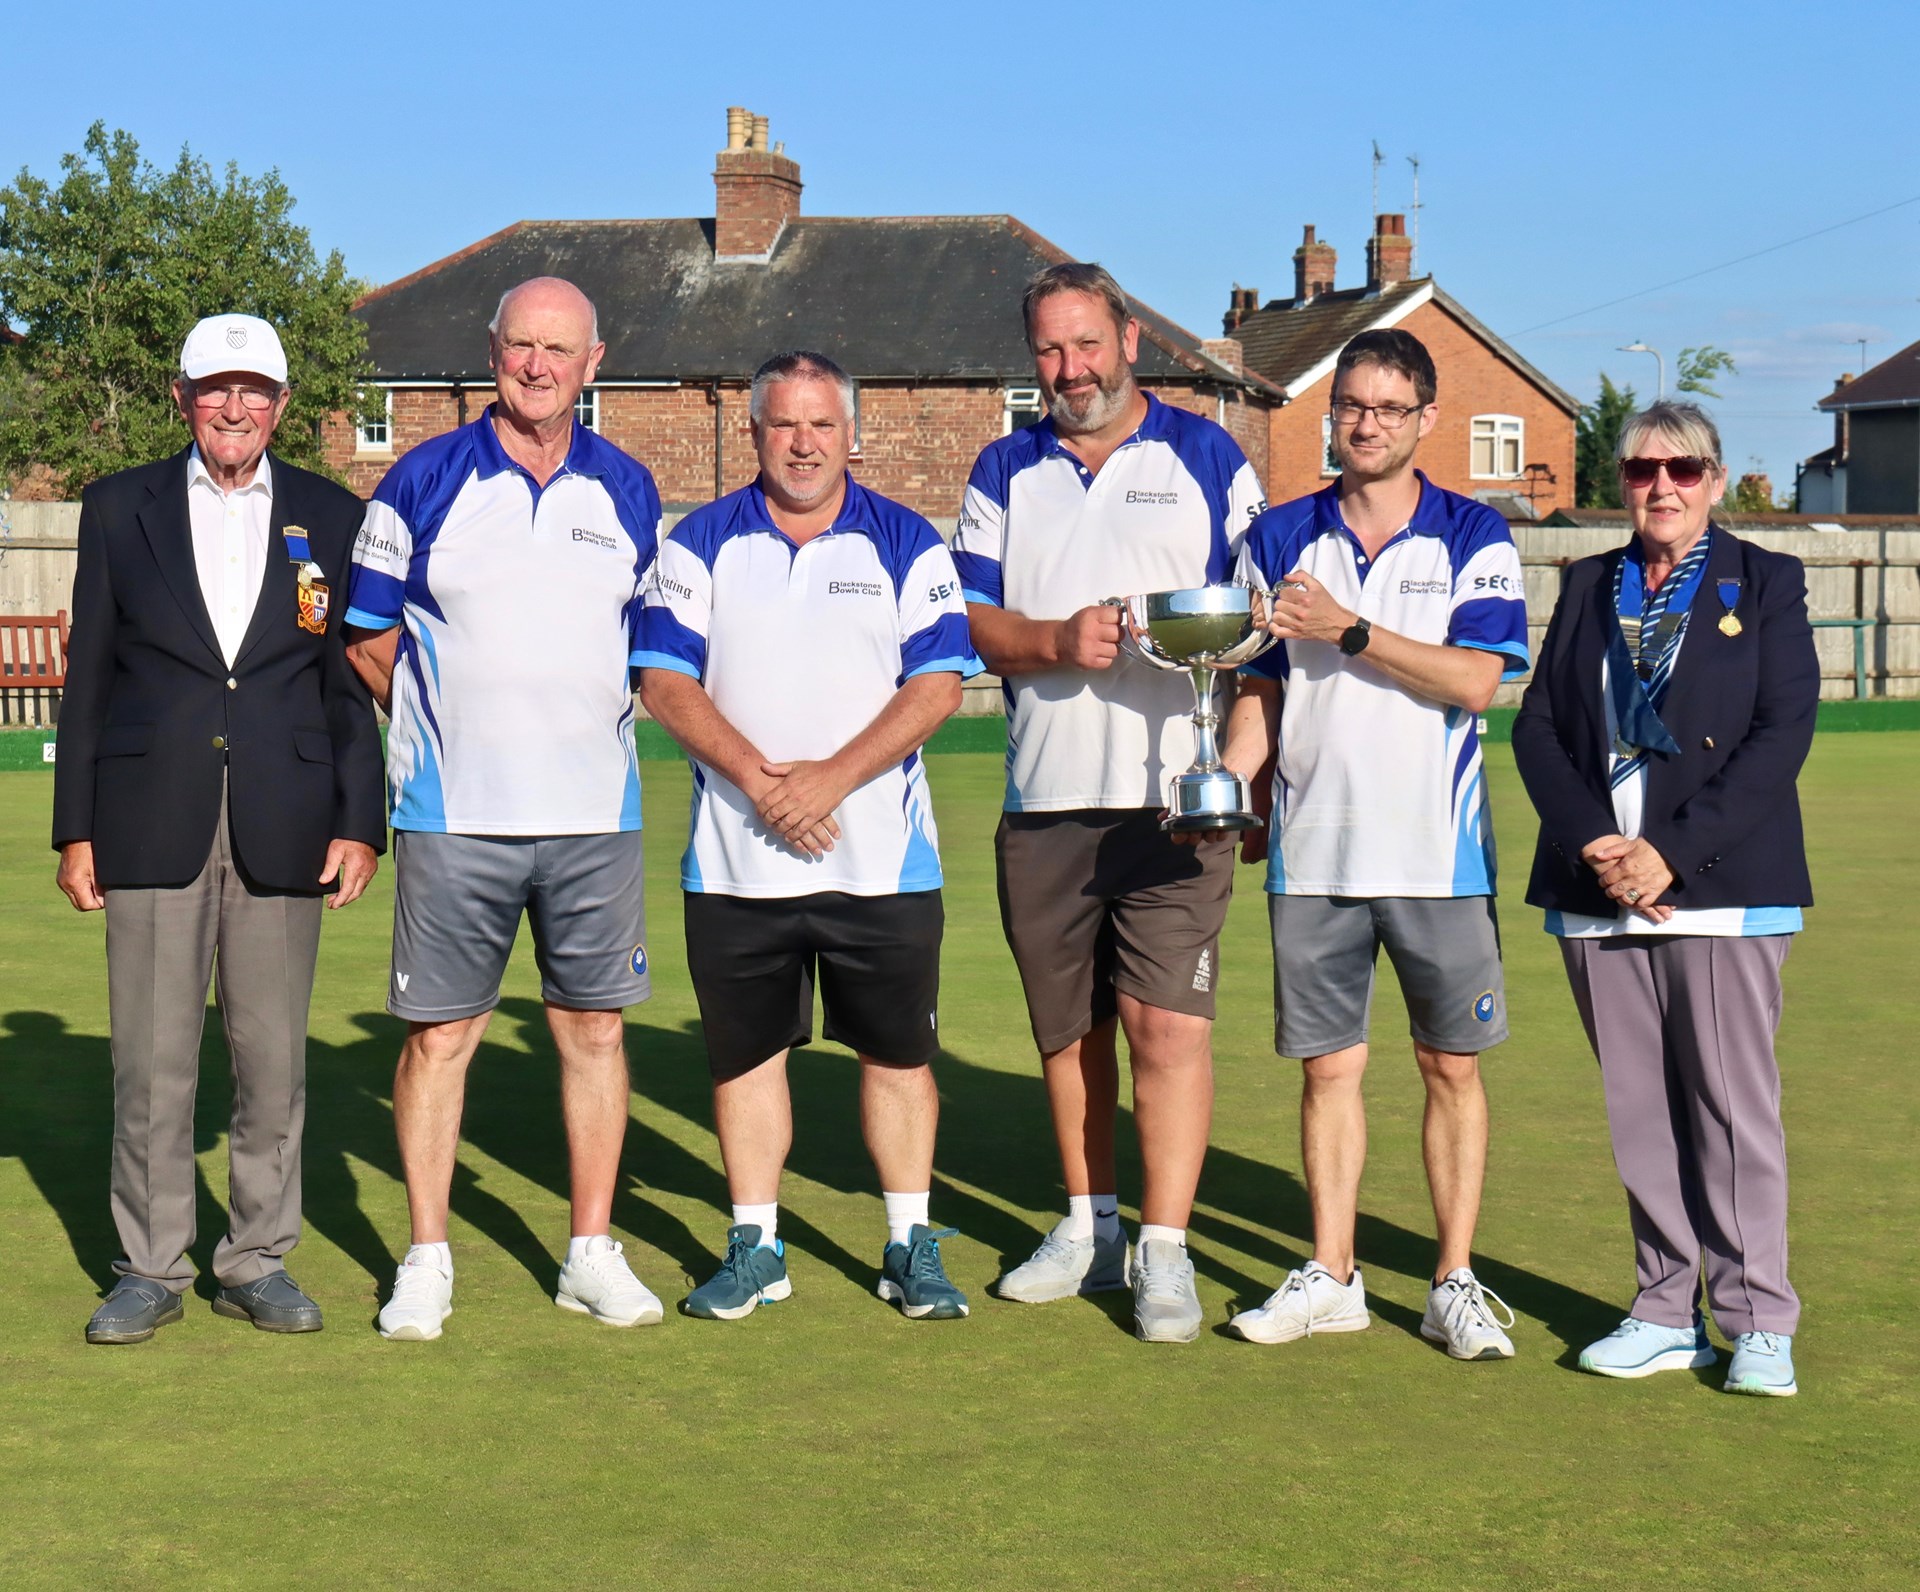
756,190
1243,302
1312,269
1389,253
1226,351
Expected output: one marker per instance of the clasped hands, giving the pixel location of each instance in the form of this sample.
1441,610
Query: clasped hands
798,800
1632,873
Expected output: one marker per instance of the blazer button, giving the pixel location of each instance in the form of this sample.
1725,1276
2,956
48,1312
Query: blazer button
219,743
1707,743
234,685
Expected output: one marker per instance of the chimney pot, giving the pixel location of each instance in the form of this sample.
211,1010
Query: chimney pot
756,190
1389,252
759,133
736,127
1313,264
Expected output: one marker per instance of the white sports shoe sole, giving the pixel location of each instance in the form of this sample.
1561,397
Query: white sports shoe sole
894,1294
649,1313
418,1329
1255,1327
1666,1360
1433,1334
772,1294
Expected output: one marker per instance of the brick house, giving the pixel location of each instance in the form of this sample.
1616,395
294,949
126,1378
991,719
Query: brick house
1505,433
923,311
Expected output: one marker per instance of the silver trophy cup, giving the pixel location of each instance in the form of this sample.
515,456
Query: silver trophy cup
1203,629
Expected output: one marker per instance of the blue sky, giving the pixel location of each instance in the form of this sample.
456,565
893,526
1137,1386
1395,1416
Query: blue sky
1569,156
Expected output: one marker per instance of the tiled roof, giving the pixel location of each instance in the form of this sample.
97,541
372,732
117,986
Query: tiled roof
925,297
1892,383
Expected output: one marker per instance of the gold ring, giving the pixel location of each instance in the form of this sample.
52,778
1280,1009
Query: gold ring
1632,896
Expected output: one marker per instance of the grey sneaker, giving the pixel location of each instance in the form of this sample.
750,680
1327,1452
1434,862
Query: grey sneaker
1166,1309
1063,1267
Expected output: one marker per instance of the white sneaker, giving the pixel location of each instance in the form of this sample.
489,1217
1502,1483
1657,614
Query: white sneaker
601,1284
1460,1315
1307,1302
422,1298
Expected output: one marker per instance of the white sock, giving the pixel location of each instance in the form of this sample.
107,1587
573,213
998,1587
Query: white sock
765,1217
1093,1216
579,1248
430,1255
904,1213
1166,1235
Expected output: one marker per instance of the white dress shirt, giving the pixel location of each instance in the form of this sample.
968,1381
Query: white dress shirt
229,546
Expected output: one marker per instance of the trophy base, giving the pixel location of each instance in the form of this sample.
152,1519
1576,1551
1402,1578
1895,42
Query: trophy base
1204,801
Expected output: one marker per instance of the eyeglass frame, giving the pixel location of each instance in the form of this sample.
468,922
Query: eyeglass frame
1378,411
203,397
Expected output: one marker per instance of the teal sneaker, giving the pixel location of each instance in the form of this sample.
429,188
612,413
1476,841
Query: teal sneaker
1763,1364
1640,1348
753,1274
912,1277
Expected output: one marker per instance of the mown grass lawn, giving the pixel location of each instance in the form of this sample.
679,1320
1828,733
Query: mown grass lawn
827,1442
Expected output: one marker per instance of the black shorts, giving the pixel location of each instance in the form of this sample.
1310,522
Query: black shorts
752,962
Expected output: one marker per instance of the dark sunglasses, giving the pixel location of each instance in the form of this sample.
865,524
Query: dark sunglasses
1682,472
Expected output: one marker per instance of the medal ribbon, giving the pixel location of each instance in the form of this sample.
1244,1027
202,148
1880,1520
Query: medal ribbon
1642,649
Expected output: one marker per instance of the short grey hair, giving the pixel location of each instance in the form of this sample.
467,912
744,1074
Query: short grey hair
1075,276
500,309
1685,423
798,364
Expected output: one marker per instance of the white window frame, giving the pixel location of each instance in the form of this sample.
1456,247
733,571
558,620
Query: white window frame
589,401
1498,431
1020,400
1329,465
364,443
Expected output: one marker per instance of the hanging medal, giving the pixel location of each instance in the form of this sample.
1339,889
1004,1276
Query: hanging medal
312,593
1729,594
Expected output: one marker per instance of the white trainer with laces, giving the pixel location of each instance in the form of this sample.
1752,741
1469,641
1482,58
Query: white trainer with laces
1460,1315
422,1298
1308,1302
601,1284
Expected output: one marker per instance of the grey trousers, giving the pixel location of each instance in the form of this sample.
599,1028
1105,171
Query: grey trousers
1683,1028
162,948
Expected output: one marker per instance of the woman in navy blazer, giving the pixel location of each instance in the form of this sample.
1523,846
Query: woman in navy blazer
1660,738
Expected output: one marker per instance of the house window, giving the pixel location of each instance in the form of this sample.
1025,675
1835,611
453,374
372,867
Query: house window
1497,446
1329,465
1022,407
586,408
376,436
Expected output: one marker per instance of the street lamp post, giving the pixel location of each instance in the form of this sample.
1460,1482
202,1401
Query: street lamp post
1659,366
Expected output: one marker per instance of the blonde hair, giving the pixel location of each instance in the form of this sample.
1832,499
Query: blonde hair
1686,423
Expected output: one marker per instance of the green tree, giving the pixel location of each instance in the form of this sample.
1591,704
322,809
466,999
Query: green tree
1697,369
1596,483
107,269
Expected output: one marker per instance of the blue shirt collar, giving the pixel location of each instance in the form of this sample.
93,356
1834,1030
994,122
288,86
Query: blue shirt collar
1155,426
583,456
1429,514
855,513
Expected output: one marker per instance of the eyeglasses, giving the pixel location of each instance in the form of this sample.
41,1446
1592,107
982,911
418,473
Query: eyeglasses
1685,471
1390,416
255,399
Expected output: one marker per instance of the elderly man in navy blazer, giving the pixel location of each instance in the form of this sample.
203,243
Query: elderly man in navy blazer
218,774
1660,740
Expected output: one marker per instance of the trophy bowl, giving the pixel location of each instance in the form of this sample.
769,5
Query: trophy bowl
1202,629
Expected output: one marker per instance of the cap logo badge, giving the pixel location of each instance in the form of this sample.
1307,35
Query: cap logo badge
236,337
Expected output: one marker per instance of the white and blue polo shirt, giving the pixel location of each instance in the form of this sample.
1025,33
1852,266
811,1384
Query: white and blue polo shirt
800,648
1042,535
512,712
1377,791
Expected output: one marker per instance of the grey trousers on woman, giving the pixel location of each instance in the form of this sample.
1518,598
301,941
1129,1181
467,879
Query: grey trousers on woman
1683,1027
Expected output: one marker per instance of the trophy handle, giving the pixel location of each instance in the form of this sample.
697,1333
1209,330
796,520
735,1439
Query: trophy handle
1134,638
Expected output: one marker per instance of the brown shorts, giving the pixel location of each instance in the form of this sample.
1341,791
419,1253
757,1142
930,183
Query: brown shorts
1100,901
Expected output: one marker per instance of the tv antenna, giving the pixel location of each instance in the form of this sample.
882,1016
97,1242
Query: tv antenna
1379,160
1413,254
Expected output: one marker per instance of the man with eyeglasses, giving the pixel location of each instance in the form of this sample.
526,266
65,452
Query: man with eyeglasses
218,775
495,603
1401,611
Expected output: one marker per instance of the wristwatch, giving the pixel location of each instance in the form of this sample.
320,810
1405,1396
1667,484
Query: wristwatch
1353,640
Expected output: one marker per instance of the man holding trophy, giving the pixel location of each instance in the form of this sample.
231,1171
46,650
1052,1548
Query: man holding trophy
1114,926
1400,609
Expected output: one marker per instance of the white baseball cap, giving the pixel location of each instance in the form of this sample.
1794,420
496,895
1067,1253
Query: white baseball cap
233,342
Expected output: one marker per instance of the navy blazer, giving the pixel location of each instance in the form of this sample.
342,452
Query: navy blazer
152,713
1722,810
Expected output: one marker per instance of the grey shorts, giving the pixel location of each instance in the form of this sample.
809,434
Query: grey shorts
1446,952
1100,902
456,910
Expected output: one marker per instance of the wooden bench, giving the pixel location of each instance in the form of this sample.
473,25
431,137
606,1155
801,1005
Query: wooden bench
33,667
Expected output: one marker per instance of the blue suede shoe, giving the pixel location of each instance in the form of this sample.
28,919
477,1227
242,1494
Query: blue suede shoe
1762,1364
1640,1348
